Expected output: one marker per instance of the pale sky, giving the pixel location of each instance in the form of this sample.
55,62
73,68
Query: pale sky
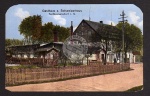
98,12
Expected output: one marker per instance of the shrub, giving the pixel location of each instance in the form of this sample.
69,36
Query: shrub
134,89
22,66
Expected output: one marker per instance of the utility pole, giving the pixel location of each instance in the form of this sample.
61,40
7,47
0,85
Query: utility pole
123,27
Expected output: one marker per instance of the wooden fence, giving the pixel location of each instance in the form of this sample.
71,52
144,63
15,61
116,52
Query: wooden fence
23,76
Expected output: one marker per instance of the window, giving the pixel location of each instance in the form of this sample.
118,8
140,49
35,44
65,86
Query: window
51,56
89,32
82,33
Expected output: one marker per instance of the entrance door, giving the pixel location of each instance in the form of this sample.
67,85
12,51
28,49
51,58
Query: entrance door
102,56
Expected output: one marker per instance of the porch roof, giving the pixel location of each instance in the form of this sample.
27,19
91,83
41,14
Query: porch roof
136,53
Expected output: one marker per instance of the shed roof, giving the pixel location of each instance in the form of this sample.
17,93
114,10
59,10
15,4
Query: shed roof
136,53
49,46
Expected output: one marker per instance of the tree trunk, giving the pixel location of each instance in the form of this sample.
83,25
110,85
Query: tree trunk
43,59
105,58
87,60
64,62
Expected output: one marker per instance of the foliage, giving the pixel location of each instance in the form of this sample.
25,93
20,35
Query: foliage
22,66
31,27
12,42
134,89
63,32
33,30
109,32
108,36
133,37
47,32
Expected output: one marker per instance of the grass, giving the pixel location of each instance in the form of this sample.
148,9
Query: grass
22,66
69,64
135,89
34,66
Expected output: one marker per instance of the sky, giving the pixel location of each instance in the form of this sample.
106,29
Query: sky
97,12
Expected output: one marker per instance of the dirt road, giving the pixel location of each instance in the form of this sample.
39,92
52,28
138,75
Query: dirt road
120,81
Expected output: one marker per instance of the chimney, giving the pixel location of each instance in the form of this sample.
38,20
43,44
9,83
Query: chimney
101,22
71,28
55,36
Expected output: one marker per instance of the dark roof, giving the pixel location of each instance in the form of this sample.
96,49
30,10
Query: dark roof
17,46
100,27
93,49
49,46
94,25
47,49
136,53
24,48
97,25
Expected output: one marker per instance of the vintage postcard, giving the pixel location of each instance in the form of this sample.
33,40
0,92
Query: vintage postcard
74,48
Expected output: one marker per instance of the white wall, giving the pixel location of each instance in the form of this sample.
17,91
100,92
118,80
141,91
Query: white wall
31,55
110,58
25,56
130,56
92,57
19,56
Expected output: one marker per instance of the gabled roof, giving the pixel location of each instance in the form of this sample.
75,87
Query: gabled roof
52,44
49,46
100,28
47,49
94,25
97,25
24,48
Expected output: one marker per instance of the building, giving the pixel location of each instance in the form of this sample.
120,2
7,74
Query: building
24,51
93,32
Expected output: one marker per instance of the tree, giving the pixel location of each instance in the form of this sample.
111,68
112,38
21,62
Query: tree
133,38
13,42
109,35
30,27
63,32
47,33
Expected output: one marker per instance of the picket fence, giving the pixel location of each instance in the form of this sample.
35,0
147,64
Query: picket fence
23,76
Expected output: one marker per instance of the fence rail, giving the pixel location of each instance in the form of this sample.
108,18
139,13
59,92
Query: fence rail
22,76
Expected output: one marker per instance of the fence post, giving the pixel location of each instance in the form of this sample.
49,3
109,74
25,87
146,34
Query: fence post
7,77
25,74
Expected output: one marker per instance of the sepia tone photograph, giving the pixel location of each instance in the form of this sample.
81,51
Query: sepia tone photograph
74,48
